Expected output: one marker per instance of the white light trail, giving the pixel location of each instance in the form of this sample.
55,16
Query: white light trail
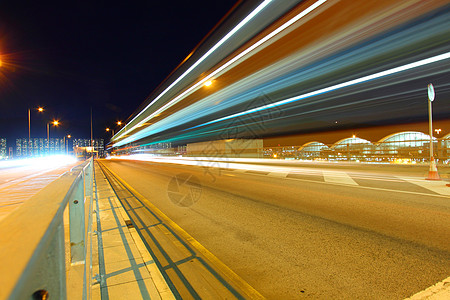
200,83
210,51
45,162
336,87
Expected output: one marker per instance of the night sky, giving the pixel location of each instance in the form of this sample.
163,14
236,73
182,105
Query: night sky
71,56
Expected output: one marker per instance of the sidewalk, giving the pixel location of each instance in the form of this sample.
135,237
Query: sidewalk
126,269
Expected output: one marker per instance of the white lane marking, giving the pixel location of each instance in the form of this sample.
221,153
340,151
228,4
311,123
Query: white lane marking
368,187
436,186
440,290
338,177
279,174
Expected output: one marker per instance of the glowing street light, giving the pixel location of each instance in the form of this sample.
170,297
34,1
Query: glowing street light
208,83
119,123
39,109
66,148
109,129
54,123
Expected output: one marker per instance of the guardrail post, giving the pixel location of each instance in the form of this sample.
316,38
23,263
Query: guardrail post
77,223
88,180
88,173
48,280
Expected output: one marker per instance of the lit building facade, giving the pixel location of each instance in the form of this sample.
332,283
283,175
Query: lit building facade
39,147
3,152
98,145
406,145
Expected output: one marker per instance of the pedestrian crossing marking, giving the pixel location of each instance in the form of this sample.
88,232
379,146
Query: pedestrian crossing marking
338,177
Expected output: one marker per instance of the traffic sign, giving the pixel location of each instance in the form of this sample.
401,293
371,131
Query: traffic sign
431,92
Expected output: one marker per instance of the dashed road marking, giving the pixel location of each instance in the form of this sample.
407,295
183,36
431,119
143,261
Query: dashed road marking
338,177
434,186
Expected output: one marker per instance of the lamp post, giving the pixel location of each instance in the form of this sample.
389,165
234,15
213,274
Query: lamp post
39,109
54,123
118,123
432,174
112,131
66,148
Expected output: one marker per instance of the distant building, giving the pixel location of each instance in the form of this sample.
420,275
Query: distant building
227,148
39,147
97,144
3,152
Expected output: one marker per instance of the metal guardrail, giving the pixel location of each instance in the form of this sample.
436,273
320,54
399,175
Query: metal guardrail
33,245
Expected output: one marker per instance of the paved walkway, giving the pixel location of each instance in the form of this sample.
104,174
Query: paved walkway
126,269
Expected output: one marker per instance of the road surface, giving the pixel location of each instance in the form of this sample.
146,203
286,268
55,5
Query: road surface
20,182
311,232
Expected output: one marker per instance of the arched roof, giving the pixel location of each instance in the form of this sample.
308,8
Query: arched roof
314,144
417,135
351,140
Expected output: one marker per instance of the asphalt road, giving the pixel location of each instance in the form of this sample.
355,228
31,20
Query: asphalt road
303,233
19,183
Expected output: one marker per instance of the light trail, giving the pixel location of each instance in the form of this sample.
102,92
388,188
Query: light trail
210,51
314,93
335,87
222,68
45,162
352,53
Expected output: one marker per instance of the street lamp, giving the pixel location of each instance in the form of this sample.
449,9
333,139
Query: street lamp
66,148
109,129
54,123
39,109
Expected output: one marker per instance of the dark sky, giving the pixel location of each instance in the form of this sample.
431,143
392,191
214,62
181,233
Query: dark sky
69,56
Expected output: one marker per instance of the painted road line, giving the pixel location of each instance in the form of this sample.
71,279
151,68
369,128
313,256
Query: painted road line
338,177
236,279
279,174
440,290
367,187
434,186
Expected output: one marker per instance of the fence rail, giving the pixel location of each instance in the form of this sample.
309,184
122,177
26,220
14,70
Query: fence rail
32,240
